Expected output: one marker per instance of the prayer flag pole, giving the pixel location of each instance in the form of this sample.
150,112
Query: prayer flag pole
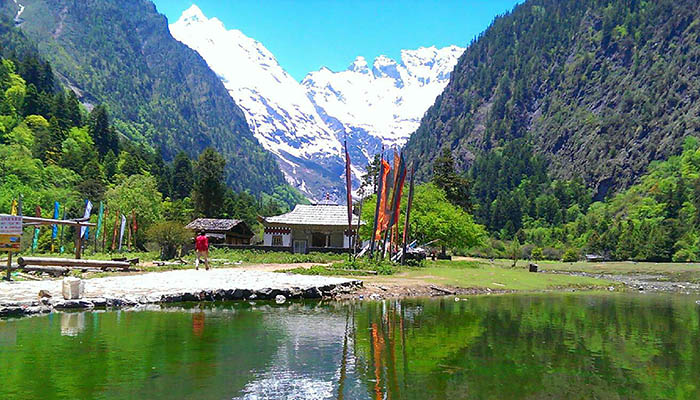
380,188
408,216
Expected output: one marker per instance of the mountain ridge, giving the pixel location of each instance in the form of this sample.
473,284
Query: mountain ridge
600,88
305,123
158,90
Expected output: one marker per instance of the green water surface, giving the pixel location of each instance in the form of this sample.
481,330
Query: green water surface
568,346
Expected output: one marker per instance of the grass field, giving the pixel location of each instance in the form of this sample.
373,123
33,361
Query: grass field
682,272
479,274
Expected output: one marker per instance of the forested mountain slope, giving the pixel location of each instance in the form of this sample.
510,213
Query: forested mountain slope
121,54
599,87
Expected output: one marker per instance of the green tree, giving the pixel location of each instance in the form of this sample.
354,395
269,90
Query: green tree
209,185
169,235
93,184
445,177
102,133
111,164
436,218
183,176
138,193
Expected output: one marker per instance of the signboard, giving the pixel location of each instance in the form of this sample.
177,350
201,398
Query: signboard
10,233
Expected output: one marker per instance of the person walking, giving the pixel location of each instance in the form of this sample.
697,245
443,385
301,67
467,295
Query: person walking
201,245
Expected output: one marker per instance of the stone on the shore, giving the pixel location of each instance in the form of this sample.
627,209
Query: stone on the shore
279,299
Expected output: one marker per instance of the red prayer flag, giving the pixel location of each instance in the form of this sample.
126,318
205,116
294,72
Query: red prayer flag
382,217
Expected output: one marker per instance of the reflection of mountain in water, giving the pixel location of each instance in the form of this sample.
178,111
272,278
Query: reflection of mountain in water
307,364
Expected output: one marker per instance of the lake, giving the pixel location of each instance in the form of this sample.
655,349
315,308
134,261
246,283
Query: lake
572,346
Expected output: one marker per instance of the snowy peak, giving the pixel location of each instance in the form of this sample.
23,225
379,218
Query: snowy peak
359,66
192,15
387,103
279,113
303,125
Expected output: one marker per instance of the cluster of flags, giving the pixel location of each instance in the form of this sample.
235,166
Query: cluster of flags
388,206
122,224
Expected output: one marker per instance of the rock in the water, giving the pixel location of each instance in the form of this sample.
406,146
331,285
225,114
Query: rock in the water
279,299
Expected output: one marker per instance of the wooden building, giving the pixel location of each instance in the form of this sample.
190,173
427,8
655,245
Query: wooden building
307,228
223,231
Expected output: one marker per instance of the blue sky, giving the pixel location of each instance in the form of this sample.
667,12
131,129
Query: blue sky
306,35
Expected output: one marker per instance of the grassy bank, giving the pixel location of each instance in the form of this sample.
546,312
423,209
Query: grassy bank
464,274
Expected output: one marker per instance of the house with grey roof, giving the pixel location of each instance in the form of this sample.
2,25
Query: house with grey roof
316,227
223,231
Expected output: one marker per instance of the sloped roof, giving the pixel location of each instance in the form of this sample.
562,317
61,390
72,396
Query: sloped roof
317,214
212,224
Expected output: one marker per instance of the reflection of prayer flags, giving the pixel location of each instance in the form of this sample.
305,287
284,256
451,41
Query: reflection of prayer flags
121,231
13,210
100,216
54,229
88,209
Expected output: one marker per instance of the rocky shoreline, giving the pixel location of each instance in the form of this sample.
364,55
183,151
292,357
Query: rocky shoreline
170,287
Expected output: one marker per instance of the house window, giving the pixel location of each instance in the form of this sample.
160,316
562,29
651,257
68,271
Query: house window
319,239
277,240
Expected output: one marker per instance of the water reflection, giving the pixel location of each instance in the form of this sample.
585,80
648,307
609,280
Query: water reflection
72,323
506,347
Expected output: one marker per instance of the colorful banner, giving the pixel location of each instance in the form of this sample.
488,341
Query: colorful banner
84,229
400,174
35,239
382,217
54,227
121,231
100,217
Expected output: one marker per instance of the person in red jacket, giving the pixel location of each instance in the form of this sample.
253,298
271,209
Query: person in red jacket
201,245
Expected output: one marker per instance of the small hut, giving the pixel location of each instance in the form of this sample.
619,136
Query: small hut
223,231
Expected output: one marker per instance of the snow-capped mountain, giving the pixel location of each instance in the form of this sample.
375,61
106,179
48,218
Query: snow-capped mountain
304,124
277,109
387,101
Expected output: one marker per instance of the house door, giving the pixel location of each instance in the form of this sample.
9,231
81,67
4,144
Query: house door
300,246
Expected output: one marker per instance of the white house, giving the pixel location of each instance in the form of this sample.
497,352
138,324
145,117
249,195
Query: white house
317,227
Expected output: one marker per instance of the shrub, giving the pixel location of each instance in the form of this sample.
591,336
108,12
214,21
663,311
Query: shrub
570,255
169,235
536,253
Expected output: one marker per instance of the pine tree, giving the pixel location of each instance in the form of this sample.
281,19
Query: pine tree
111,164
33,104
104,136
73,109
209,186
455,186
183,176
92,186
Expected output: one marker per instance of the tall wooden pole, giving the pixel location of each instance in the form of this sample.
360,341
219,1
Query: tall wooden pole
380,189
114,234
407,218
357,229
104,228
